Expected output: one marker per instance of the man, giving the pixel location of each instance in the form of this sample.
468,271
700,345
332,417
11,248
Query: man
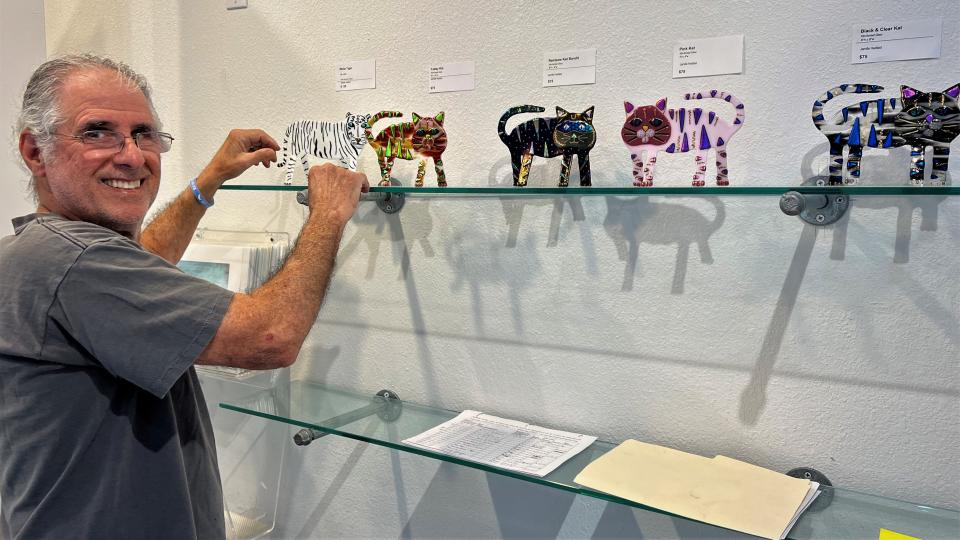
104,432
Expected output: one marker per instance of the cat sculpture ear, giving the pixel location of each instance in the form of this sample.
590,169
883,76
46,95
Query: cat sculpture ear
439,118
349,114
627,106
588,114
416,118
906,92
561,112
662,104
953,91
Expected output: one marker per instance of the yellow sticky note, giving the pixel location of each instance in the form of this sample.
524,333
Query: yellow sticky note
891,535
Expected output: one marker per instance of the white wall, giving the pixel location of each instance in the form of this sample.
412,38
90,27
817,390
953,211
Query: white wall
714,325
22,48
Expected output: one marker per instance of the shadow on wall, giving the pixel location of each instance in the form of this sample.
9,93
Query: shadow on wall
631,222
501,175
878,167
895,166
373,227
754,397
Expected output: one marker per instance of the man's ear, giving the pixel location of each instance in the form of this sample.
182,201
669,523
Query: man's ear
31,154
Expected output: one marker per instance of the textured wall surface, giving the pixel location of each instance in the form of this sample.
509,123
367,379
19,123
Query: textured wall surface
22,47
713,325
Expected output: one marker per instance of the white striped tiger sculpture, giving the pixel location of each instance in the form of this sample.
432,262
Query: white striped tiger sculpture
650,129
917,119
336,141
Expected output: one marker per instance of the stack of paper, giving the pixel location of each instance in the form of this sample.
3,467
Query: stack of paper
720,491
239,267
503,443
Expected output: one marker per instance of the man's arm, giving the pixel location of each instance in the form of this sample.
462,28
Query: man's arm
172,229
266,328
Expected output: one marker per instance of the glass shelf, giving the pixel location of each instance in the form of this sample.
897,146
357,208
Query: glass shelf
712,191
849,514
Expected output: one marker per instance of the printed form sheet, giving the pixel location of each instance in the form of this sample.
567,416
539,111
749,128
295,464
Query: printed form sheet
503,443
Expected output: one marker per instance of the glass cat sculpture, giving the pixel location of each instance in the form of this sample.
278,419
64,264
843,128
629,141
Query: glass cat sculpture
650,129
566,134
918,119
337,141
422,138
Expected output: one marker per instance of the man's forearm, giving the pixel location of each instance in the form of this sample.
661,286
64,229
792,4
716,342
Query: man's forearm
171,231
296,292
266,328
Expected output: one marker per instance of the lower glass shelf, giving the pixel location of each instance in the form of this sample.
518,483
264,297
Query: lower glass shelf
849,514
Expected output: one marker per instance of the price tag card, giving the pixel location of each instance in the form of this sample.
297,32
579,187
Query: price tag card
452,77
888,42
708,56
359,75
567,68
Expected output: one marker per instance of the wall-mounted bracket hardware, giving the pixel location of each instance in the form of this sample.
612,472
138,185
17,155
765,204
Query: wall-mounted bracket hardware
815,208
385,404
390,203
809,473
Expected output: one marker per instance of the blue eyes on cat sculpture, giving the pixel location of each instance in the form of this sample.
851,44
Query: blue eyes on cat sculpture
582,127
917,119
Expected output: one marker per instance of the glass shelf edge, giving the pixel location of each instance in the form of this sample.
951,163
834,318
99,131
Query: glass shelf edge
456,461
940,515
631,191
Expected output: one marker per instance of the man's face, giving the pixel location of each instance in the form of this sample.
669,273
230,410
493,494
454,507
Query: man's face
110,187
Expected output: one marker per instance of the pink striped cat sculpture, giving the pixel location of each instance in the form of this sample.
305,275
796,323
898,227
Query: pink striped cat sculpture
650,129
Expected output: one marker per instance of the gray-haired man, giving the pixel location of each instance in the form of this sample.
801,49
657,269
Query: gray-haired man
104,432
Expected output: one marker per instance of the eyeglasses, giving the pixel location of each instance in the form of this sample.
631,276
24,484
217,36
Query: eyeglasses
148,141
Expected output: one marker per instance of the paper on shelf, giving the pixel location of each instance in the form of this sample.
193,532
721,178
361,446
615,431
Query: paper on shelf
503,443
720,491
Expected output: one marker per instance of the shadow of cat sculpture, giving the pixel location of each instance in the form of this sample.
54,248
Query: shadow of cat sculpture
633,221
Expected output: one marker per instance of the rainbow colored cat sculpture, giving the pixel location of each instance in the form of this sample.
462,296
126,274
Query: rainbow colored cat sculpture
424,137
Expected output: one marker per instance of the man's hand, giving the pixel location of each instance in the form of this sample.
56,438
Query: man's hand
335,192
243,148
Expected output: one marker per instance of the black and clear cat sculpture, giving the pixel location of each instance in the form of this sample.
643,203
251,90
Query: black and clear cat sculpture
917,119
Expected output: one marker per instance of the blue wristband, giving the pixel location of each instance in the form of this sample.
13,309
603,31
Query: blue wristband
200,198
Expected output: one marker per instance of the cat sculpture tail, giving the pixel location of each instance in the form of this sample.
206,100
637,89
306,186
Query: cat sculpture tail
856,88
512,111
377,117
716,133
729,98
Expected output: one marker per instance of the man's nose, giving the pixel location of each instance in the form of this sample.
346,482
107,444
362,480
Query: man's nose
129,154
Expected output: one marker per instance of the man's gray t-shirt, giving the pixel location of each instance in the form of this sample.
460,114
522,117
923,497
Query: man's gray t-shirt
104,432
